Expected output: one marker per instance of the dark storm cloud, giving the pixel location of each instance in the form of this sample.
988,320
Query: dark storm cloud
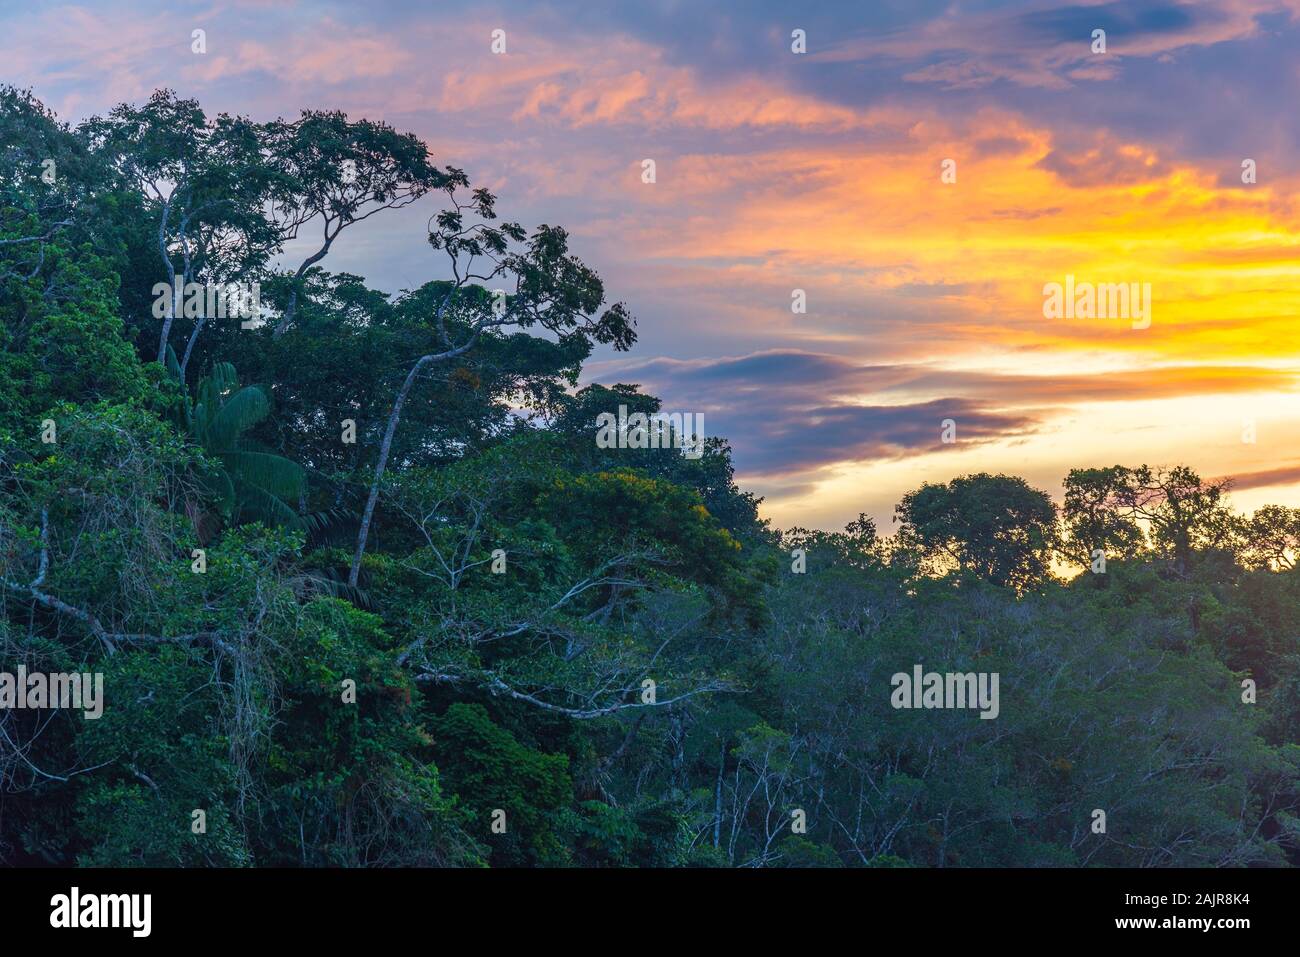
788,411
1127,19
791,412
1286,475
778,441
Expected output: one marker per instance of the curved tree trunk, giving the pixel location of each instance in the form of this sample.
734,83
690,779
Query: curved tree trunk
189,346
384,449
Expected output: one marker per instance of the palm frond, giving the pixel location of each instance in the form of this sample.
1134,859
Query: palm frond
334,584
329,518
223,378
172,365
253,483
235,415
272,473
257,503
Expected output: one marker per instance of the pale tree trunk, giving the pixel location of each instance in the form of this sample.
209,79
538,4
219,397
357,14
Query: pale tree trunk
169,317
291,308
384,448
717,799
189,346
175,300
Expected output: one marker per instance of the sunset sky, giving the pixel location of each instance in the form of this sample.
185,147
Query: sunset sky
820,171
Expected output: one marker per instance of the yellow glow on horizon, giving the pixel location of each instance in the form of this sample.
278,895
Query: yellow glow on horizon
1222,261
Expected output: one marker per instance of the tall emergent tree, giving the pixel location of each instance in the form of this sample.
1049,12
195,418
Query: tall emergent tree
542,286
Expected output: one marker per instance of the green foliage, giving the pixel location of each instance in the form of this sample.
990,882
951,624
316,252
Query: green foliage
169,757
490,770
252,483
992,526
62,339
355,776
